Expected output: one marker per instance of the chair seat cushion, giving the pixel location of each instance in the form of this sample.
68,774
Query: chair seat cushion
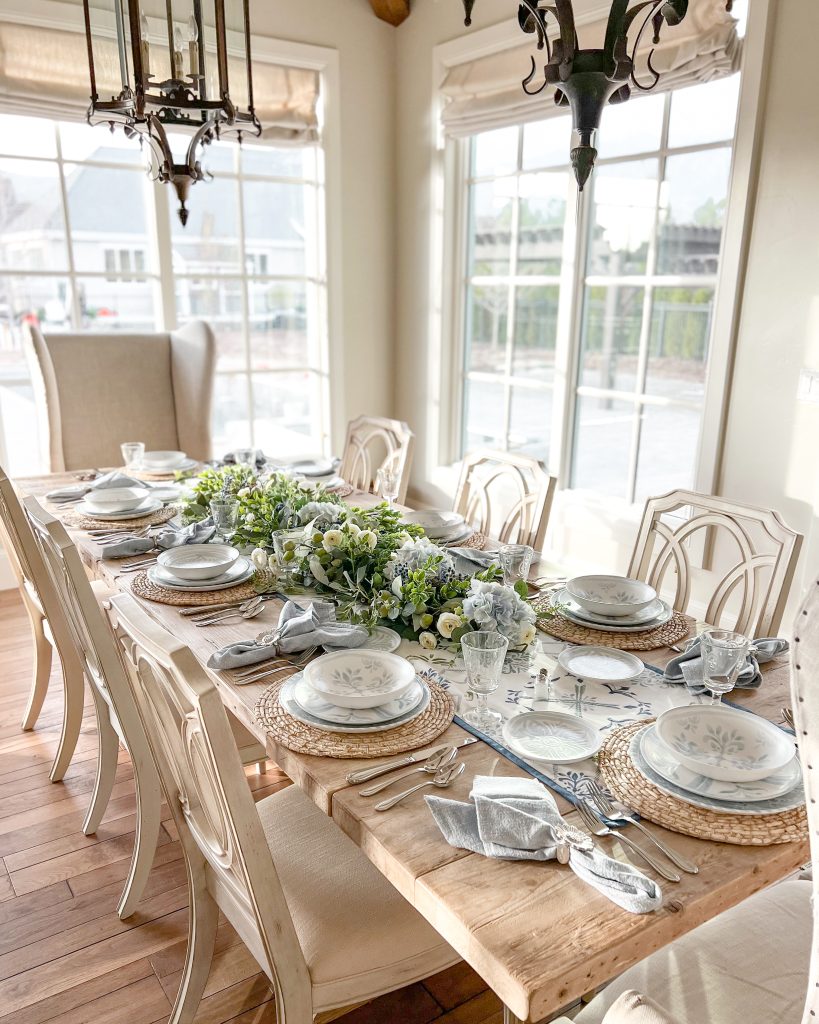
748,965
359,936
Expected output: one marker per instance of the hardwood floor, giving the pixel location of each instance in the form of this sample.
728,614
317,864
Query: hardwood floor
64,954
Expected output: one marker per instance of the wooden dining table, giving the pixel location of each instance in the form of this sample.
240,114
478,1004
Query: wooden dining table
539,936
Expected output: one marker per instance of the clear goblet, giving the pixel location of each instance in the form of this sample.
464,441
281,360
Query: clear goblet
516,561
484,653
723,657
225,512
388,480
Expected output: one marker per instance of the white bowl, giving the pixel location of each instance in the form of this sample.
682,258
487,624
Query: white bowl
724,744
360,679
162,460
611,595
198,561
116,499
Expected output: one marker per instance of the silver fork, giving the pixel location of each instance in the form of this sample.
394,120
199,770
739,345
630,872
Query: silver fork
234,613
616,811
600,828
252,676
443,777
432,764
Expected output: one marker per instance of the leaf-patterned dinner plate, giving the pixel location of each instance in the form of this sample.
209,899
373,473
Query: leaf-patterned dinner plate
551,736
316,705
382,638
288,701
355,678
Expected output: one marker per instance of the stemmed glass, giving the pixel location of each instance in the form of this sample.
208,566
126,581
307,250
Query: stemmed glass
132,452
484,653
388,481
225,512
516,561
723,657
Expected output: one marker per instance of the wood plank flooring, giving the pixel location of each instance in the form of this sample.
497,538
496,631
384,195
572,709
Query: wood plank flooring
64,954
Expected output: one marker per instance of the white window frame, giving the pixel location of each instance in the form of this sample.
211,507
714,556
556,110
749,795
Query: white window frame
450,241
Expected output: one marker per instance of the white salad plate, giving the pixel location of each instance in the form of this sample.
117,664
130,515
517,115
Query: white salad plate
601,664
382,638
198,562
360,679
314,704
664,763
288,701
117,499
241,570
437,524
786,802
551,736
163,460
724,743
319,467
611,595
580,617
145,508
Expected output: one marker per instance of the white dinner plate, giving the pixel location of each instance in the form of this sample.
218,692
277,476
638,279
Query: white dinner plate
241,570
602,664
180,467
437,524
317,468
663,761
794,798
149,505
571,611
314,704
553,737
382,638
292,707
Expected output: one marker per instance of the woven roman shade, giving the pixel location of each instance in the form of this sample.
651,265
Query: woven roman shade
486,93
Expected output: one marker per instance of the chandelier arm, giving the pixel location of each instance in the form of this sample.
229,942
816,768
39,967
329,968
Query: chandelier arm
530,14
653,6
528,79
568,35
205,132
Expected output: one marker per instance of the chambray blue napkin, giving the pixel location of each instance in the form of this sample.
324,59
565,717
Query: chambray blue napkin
298,629
470,560
170,537
518,819
116,478
687,668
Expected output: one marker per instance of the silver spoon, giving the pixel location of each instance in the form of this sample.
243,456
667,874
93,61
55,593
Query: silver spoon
248,613
443,777
432,764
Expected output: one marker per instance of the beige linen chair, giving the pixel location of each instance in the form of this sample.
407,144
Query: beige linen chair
506,496
324,925
374,443
747,558
95,391
117,717
48,626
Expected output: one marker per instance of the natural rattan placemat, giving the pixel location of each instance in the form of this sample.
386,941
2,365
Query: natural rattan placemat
341,491
476,540
142,587
633,788
306,739
677,627
80,522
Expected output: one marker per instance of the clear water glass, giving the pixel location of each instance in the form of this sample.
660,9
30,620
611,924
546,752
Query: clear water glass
285,548
132,452
724,654
484,653
516,561
388,482
244,456
225,512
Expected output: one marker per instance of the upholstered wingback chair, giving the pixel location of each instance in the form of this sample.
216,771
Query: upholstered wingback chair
95,391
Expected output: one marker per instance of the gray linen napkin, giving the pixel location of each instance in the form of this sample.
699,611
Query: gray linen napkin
470,560
687,668
116,478
170,537
518,819
298,629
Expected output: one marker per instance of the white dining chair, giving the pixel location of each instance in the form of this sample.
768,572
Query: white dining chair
49,627
736,560
323,924
95,391
374,443
506,496
117,718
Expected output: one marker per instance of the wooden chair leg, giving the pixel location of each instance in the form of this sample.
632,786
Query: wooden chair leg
106,766
202,923
42,670
149,816
73,707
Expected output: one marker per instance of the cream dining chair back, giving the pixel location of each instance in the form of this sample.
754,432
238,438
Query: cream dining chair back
48,625
742,558
95,391
506,496
117,717
374,443
322,923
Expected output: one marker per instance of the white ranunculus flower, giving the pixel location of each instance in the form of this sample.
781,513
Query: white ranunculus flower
397,586
427,640
249,518
448,622
272,563
353,529
259,557
370,537
332,539
243,493
528,634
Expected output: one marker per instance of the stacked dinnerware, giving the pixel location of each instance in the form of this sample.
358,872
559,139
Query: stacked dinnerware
113,503
440,525
720,758
167,462
356,691
614,604
319,472
200,567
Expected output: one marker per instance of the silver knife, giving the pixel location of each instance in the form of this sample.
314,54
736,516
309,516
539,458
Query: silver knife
365,774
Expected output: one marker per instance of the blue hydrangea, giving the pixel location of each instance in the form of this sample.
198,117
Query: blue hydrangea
493,606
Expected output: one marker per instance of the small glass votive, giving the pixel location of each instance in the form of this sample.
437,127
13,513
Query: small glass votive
225,512
286,549
244,456
724,654
132,452
516,561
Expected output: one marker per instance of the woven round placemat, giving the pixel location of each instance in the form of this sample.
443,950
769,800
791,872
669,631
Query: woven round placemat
475,540
342,491
633,788
160,475
143,587
306,739
80,522
677,627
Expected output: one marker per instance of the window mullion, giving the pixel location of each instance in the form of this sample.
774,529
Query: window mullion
161,241
514,243
251,411
76,311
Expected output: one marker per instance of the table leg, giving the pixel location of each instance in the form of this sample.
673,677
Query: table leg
509,1017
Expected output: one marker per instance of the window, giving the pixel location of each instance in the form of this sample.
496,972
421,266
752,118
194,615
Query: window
630,329
82,248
